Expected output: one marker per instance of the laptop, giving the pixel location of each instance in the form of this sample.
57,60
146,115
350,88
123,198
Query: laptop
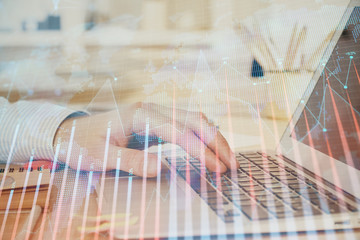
309,183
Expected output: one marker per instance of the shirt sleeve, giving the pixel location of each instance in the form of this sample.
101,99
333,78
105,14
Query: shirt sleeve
27,129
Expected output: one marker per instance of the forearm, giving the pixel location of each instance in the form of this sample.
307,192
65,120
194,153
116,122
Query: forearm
27,129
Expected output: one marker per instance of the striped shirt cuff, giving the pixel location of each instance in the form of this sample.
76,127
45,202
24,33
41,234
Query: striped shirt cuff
28,129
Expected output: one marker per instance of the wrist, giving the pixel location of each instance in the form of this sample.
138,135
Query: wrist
63,132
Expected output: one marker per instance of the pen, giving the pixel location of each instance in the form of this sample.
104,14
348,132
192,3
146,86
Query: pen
299,42
290,46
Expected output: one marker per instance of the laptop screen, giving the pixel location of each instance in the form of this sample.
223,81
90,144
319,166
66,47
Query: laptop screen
330,121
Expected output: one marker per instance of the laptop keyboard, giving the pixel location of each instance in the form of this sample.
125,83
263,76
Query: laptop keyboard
262,188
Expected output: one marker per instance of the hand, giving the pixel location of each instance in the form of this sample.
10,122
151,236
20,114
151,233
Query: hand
113,130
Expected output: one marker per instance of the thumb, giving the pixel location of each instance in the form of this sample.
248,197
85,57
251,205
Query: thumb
138,162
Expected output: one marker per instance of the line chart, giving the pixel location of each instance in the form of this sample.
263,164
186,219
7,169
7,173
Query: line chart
332,111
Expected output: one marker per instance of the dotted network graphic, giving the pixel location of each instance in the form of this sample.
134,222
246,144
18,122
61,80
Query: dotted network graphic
331,117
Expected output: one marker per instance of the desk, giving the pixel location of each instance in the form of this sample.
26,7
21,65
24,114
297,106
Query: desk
247,136
67,228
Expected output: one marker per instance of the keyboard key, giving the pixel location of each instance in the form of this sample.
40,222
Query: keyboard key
209,195
261,162
243,162
351,208
265,197
297,205
252,188
234,192
280,190
227,188
249,155
331,196
232,212
211,201
272,185
278,172
262,176
241,200
272,159
270,181
255,212
316,201
264,166
294,201
309,211
272,203
273,163
332,208
225,182
298,213
183,172
292,181
310,195
299,187
279,209
311,183
219,210
289,214
248,169
261,193
283,176
256,173
236,197
239,157
217,202
245,183
239,175
288,177
287,195
288,169
258,158
228,218
327,206
198,183
312,191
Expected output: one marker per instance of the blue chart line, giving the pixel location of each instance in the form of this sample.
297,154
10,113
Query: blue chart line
307,133
356,111
347,77
322,108
332,74
322,105
317,119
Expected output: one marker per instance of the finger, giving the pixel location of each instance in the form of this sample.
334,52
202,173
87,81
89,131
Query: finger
192,145
212,137
197,122
220,146
196,148
213,163
134,161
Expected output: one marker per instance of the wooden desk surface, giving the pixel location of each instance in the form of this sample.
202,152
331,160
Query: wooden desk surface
57,223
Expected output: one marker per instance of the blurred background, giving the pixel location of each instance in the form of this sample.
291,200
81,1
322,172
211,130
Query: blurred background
85,52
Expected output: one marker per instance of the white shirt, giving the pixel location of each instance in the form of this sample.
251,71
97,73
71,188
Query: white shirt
28,129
